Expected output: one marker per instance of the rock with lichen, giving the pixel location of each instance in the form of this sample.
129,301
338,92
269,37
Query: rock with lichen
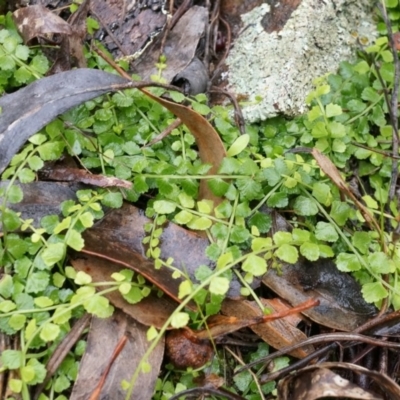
279,66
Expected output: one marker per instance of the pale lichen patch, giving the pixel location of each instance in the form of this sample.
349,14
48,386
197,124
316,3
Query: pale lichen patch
280,66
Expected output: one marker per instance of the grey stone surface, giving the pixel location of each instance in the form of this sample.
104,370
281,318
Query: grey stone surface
280,66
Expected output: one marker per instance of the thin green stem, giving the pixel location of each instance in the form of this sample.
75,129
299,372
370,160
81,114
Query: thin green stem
161,176
230,224
366,111
184,303
250,289
67,310
350,246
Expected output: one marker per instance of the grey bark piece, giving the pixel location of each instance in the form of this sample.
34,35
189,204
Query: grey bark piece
27,110
280,66
41,199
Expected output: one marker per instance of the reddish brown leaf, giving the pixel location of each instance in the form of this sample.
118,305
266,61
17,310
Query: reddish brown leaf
211,148
99,388
125,257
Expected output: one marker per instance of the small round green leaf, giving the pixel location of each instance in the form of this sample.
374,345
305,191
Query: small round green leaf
287,253
75,240
99,306
326,231
305,206
254,264
310,251
11,359
164,207
238,145
82,278
179,320
17,321
53,253
219,285
15,194
333,110
49,332
183,217
373,292
199,223
347,262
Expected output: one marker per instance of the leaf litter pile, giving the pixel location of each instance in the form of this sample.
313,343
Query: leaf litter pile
155,246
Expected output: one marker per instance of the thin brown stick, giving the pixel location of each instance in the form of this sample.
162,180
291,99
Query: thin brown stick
136,85
373,150
377,320
272,376
306,305
97,391
238,115
327,337
209,31
218,68
110,61
165,132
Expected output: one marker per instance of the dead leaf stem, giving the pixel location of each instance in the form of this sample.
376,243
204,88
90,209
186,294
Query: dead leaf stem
97,392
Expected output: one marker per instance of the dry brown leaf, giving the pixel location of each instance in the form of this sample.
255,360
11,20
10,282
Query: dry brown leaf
97,245
48,98
211,148
39,21
219,325
333,173
279,333
123,229
133,24
341,307
180,46
101,361
40,199
150,311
